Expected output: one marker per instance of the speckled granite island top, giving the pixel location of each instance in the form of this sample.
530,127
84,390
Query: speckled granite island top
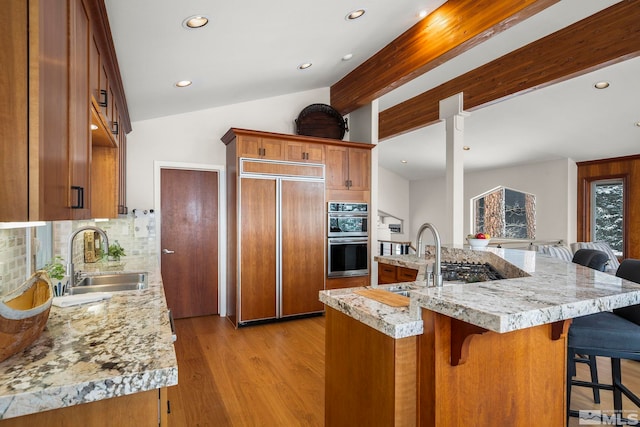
541,290
94,351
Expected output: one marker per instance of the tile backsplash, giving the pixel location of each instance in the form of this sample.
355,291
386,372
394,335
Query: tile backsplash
135,232
13,258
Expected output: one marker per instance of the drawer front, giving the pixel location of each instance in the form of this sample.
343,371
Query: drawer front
386,274
404,274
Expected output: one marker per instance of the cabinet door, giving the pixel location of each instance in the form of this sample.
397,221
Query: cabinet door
257,266
359,169
273,149
14,169
79,137
315,153
303,241
296,151
48,140
337,169
249,146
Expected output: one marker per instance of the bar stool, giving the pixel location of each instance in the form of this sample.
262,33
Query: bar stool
609,335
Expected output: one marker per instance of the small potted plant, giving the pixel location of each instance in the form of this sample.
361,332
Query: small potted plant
56,271
116,251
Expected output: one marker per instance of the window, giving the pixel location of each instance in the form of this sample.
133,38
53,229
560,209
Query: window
607,213
505,213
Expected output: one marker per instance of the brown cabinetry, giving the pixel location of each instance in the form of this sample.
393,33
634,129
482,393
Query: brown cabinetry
276,219
395,274
348,168
148,408
347,282
47,48
305,152
261,148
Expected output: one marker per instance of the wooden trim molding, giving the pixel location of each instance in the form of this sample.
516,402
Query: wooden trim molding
453,28
602,39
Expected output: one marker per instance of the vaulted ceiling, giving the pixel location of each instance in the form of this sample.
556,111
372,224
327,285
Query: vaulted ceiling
251,50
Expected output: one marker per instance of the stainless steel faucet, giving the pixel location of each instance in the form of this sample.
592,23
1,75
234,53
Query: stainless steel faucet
437,271
70,267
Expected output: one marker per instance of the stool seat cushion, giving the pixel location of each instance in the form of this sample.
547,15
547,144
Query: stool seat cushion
604,330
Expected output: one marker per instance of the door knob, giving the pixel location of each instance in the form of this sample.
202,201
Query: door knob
167,251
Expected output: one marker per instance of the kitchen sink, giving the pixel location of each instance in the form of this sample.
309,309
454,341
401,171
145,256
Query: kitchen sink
111,283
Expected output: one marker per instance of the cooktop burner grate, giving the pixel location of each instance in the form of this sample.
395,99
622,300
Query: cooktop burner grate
469,272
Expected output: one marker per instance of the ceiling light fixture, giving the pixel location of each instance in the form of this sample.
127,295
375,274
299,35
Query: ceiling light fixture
403,161
304,66
601,85
347,57
638,124
466,148
196,21
354,15
422,14
94,127
184,83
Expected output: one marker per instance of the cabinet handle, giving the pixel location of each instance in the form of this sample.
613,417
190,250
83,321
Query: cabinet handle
80,197
168,251
105,97
115,128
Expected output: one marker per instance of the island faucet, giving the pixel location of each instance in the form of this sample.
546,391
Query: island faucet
437,271
72,236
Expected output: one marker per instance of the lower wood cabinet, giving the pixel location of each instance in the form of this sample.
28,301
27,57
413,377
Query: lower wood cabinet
348,282
370,378
148,408
395,274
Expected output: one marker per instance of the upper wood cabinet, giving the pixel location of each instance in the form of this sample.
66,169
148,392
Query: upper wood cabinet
305,152
261,148
47,49
348,168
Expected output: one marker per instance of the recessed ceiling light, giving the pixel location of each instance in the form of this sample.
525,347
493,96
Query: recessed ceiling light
638,124
184,83
403,161
347,57
422,14
466,148
601,85
354,15
304,66
94,127
196,21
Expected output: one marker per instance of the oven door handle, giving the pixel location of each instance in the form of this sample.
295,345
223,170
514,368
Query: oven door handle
347,240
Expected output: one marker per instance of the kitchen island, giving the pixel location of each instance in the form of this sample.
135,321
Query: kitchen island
101,363
487,353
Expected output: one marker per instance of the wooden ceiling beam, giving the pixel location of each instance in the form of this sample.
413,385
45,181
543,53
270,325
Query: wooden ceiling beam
453,28
607,37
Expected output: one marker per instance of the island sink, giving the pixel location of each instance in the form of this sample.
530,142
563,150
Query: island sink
111,283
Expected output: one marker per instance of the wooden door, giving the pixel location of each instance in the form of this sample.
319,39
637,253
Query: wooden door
303,241
189,236
249,146
273,149
359,169
315,153
257,266
337,167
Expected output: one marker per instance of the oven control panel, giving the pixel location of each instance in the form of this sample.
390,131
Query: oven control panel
348,207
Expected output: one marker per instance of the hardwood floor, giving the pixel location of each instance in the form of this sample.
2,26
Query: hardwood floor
262,375
273,375
582,397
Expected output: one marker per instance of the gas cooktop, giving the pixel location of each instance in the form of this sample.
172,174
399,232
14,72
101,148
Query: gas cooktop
469,272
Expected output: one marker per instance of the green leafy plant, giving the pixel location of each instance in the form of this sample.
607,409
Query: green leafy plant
116,251
55,268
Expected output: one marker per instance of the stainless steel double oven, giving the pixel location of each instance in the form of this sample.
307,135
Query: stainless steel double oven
348,239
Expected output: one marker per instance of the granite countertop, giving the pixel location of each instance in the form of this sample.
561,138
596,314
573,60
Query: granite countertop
94,351
541,290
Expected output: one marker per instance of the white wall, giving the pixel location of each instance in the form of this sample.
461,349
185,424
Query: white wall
393,198
195,137
553,183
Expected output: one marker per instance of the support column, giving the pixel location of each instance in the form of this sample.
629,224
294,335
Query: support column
453,115
363,127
